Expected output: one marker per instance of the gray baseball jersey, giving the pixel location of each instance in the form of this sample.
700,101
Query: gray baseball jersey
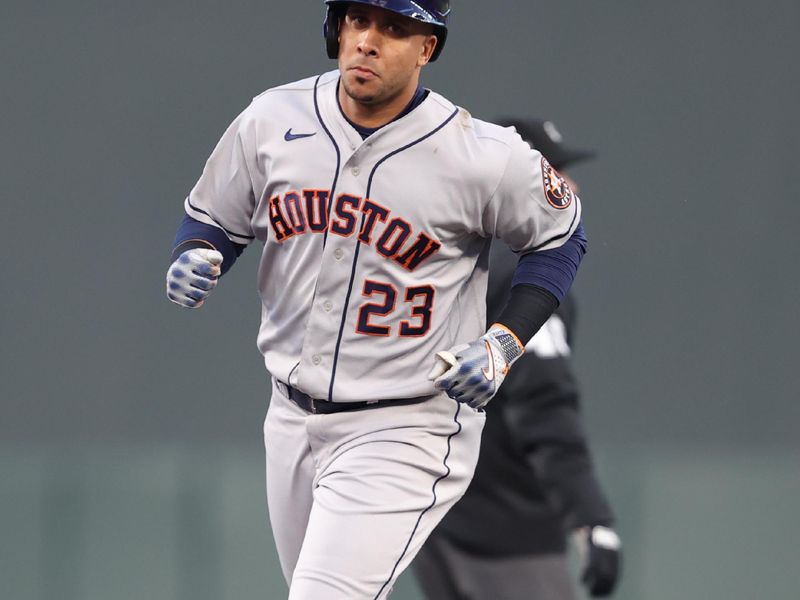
375,257
375,251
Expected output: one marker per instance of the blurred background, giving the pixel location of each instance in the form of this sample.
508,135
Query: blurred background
131,459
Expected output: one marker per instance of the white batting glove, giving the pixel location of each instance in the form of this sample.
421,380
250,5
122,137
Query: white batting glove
192,276
472,373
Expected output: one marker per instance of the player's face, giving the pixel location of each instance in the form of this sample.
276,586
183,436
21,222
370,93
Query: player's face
381,54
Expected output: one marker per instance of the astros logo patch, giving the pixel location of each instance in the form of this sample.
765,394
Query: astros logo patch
556,190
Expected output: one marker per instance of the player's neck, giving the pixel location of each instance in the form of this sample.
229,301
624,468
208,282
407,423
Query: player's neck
376,115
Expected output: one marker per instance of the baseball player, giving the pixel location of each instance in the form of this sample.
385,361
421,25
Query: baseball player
375,200
534,484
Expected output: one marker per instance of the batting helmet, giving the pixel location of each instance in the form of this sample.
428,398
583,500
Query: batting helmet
434,12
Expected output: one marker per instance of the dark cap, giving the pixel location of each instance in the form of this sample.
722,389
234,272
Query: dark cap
544,137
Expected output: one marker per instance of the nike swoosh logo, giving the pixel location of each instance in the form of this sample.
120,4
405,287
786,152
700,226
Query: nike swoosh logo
289,136
489,373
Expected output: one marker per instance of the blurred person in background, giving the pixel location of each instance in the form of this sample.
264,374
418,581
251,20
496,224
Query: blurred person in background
535,485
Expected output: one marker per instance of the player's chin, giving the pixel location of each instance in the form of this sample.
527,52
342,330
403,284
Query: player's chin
363,92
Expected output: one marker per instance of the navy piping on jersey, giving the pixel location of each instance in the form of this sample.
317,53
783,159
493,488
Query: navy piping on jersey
358,245
333,185
338,163
431,505
228,231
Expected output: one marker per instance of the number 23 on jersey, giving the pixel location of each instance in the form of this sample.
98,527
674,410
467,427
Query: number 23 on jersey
417,306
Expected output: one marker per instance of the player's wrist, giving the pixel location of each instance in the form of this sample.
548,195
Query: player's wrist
510,345
187,245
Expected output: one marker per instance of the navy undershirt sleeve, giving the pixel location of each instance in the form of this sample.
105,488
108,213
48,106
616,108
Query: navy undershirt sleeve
555,269
194,234
541,281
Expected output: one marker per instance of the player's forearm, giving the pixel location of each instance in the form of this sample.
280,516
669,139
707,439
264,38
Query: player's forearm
527,309
541,280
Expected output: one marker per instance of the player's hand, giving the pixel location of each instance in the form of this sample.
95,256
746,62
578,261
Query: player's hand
601,551
472,373
192,276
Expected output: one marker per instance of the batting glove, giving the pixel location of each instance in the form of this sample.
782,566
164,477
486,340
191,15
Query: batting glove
601,551
192,276
472,373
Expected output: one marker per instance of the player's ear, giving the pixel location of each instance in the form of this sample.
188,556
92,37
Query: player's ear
427,50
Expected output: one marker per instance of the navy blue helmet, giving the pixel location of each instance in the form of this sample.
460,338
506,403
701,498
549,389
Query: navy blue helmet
434,12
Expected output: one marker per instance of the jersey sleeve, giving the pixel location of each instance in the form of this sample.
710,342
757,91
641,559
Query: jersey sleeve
533,207
225,196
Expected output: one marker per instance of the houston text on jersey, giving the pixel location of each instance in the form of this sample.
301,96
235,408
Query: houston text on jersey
296,213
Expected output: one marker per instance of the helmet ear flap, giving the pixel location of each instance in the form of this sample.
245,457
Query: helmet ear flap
331,32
